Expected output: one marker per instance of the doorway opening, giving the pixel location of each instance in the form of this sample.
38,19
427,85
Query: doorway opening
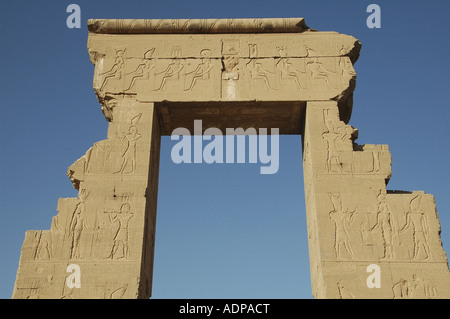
226,231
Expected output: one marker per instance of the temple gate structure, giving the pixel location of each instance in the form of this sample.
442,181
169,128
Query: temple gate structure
152,76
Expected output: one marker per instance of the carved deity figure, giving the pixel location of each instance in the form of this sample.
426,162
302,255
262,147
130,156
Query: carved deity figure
143,70
120,242
202,72
319,72
346,65
331,136
339,217
287,70
131,138
417,219
116,70
43,248
386,225
333,153
259,72
77,224
172,71
339,137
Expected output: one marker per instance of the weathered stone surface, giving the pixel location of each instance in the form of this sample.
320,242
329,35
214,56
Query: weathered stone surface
109,229
354,222
152,76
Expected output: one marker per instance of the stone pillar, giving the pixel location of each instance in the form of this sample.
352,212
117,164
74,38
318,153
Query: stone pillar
105,237
365,241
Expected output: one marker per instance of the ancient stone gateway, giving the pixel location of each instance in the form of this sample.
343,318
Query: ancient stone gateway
152,76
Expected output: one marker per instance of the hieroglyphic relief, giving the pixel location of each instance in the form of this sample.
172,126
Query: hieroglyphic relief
381,228
402,231
148,73
180,72
293,74
275,73
345,156
34,287
112,290
351,218
416,287
230,47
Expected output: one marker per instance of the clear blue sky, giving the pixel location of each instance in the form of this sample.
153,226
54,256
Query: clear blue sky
223,230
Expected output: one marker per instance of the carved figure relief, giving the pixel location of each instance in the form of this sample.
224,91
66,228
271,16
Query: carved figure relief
386,225
340,217
100,152
143,71
129,153
375,161
317,72
339,137
287,70
418,221
120,245
257,70
173,72
116,71
43,249
331,136
78,224
202,71
332,151
346,66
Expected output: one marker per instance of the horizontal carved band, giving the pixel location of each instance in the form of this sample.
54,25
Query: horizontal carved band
185,26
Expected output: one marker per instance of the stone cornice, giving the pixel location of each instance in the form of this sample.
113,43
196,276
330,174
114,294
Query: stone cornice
186,26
